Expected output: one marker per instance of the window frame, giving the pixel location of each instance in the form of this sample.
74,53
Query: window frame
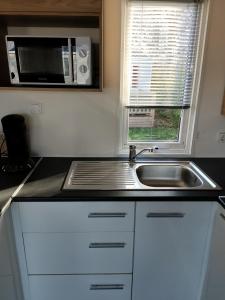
188,121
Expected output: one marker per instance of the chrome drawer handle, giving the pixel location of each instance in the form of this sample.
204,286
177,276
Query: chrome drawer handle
107,245
97,287
107,215
165,215
222,216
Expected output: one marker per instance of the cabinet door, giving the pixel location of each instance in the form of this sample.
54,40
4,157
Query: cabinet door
215,279
170,243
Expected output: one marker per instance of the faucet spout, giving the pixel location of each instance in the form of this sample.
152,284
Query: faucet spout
133,155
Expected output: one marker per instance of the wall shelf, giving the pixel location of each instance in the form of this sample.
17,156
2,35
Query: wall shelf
85,15
30,7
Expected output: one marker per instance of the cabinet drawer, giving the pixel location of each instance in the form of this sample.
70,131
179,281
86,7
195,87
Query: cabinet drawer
81,287
79,253
77,216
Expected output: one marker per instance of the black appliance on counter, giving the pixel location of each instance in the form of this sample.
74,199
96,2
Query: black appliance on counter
15,131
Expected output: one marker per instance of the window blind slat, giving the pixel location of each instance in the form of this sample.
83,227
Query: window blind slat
160,52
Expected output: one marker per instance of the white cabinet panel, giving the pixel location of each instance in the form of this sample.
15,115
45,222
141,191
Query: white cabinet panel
5,265
9,284
82,287
76,253
215,279
77,216
7,288
170,242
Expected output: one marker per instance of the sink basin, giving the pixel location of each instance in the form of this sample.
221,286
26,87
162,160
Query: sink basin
168,176
173,175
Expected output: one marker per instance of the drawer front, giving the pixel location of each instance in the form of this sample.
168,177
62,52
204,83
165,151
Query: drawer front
77,216
80,287
186,215
79,253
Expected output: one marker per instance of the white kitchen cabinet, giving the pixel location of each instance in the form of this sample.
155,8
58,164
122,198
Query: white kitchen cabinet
215,277
159,250
81,287
171,239
75,250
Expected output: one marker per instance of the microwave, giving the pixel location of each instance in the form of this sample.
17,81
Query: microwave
35,60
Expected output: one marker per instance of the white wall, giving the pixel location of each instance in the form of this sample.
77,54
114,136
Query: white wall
210,121
87,124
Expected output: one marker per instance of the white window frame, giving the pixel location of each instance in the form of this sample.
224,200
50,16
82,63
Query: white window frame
188,121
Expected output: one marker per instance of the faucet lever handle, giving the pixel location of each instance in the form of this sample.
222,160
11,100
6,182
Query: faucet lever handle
132,147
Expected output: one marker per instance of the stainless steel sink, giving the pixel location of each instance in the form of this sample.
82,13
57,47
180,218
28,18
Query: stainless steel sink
173,175
120,175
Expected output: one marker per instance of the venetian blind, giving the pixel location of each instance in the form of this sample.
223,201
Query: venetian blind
160,48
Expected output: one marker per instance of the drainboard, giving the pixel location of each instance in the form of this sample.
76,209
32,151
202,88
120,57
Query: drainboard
100,175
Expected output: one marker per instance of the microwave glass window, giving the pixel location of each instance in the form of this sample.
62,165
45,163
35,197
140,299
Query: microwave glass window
40,60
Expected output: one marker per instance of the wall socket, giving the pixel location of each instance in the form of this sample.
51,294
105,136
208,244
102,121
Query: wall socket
221,136
36,108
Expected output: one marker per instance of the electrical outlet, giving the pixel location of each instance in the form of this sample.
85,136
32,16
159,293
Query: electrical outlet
36,108
221,137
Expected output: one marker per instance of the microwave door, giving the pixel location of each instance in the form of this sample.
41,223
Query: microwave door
43,61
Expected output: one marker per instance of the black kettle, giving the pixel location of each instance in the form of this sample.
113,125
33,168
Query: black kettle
15,131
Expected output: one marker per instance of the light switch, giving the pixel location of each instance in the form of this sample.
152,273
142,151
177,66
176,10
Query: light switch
221,137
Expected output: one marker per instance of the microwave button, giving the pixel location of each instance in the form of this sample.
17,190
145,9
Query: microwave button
83,52
83,69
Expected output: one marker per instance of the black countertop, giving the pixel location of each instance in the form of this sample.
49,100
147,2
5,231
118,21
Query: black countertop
46,182
9,182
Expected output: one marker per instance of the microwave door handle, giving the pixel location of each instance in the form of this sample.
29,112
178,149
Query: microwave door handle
70,61
66,58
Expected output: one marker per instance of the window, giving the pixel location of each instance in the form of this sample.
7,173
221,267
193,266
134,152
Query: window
163,49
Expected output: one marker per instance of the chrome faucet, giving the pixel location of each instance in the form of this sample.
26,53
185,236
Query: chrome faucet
133,155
